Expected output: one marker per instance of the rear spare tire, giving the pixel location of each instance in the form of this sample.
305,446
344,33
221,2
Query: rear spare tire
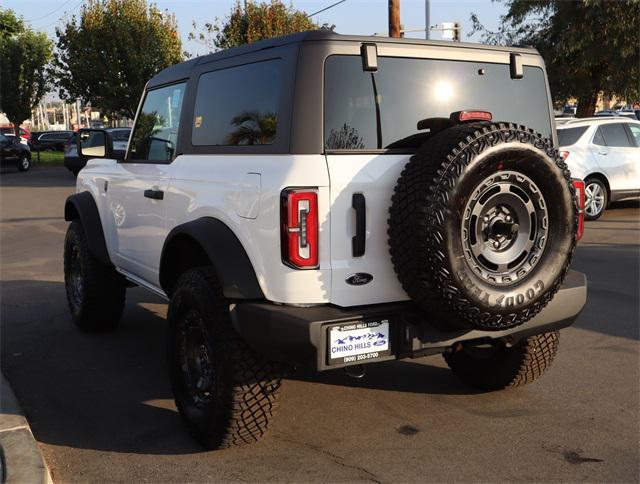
482,225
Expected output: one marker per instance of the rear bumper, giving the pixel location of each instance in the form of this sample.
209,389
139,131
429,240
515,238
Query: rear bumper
299,335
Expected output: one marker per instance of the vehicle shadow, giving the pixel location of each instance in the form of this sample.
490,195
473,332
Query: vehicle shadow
110,391
37,176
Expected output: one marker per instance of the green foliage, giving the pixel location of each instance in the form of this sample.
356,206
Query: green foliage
106,56
252,22
589,46
23,57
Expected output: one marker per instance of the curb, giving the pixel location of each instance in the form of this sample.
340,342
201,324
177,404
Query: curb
20,457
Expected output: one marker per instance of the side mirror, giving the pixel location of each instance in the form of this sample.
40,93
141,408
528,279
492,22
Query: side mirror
94,143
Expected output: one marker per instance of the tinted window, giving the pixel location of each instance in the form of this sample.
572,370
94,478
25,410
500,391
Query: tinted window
598,139
156,131
635,131
238,106
569,136
615,135
410,90
120,135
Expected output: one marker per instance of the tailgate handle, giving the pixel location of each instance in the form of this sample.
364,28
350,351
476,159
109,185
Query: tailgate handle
358,241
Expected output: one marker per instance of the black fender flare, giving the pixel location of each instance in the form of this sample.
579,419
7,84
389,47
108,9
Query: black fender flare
83,207
223,249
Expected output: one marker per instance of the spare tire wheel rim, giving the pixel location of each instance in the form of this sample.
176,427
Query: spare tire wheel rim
504,228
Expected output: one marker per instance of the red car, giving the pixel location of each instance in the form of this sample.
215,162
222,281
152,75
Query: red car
8,129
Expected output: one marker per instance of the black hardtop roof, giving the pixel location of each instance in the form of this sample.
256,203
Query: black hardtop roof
183,70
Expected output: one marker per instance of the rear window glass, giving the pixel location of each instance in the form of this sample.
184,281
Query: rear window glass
409,90
238,105
569,136
615,135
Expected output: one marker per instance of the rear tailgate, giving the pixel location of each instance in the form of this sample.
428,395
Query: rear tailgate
373,176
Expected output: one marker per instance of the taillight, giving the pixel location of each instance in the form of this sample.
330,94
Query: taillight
579,186
462,116
299,236
564,154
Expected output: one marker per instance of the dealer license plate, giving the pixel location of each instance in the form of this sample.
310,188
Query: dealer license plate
359,341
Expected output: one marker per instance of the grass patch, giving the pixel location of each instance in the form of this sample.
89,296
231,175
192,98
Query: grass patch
48,158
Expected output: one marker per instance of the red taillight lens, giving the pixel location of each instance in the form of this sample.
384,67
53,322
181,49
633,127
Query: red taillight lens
579,186
564,154
462,116
300,228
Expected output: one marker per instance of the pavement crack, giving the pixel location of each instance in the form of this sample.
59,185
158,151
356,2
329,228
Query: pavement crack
335,458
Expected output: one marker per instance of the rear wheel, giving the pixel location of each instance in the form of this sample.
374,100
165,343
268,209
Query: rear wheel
226,392
596,198
496,366
95,291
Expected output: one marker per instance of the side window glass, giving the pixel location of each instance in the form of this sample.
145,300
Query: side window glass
238,105
635,131
615,135
598,139
155,134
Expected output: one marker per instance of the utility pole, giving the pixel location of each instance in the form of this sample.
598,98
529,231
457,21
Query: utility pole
427,19
394,18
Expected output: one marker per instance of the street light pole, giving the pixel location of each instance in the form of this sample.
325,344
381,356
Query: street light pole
427,18
394,18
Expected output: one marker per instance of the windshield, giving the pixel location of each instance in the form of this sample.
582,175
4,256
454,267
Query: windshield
409,90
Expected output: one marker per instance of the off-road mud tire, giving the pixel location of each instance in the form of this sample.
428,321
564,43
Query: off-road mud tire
240,392
425,225
506,367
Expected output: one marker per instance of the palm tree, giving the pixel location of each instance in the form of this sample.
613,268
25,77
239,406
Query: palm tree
253,128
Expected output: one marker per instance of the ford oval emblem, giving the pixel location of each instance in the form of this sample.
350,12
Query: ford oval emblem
359,279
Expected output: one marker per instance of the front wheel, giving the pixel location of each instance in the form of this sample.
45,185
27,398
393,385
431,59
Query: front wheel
226,392
596,198
497,366
95,291
24,162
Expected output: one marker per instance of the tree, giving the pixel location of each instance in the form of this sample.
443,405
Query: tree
106,56
252,22
23,57
589,46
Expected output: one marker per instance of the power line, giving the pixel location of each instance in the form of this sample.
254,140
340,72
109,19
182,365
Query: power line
46,26
326,8
50,13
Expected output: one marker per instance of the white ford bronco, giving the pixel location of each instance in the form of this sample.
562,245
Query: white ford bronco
328,201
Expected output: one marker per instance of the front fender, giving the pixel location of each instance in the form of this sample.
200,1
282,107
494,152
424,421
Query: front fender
81,206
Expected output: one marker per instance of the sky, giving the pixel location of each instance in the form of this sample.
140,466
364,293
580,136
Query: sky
363,17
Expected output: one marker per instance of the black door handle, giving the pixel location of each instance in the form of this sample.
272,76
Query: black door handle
358,241
154,194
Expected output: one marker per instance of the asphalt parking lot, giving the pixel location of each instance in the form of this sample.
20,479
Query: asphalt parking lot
100,405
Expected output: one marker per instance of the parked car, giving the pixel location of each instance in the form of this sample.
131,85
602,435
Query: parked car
119,136
293,219
13,151
8,130
49,140
605,152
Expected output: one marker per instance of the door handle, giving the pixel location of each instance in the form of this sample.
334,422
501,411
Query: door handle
602,152
154,194
358,241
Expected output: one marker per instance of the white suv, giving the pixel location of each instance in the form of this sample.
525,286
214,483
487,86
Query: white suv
605,153
326,201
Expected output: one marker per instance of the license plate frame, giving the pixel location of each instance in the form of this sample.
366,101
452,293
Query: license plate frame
370,340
